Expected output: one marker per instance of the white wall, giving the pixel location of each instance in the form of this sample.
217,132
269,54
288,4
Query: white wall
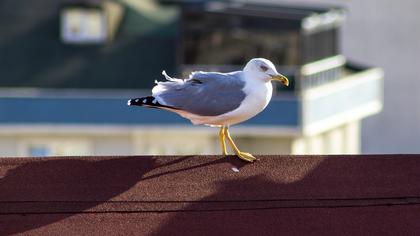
8,146
70,141
344,139
263,145
112,145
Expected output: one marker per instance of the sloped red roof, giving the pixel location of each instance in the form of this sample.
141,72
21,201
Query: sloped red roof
210,195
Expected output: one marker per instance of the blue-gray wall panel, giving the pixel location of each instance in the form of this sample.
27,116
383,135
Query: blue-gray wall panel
115,111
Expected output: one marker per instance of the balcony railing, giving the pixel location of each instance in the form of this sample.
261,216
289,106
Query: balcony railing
301,78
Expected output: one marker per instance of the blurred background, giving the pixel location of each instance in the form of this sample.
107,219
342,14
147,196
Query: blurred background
68,67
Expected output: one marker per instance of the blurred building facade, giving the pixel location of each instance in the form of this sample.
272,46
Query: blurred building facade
70,70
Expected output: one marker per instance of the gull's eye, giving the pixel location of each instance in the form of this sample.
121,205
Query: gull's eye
263,68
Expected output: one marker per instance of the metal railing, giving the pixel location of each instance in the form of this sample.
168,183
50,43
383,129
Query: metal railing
300,77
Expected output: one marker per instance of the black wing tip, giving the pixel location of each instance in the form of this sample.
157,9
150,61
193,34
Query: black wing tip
148,101
143,101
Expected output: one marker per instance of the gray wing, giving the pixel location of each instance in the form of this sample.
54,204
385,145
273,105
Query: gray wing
205,93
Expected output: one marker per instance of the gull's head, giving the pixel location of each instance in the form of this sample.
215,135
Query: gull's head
264,70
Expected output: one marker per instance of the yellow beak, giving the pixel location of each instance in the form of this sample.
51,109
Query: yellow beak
281,78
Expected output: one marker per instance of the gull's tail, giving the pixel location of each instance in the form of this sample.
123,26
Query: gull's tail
148,101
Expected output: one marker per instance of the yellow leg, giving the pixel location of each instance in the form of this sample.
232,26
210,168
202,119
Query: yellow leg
243,155
222,140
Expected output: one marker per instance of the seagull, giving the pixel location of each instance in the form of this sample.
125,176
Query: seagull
217,99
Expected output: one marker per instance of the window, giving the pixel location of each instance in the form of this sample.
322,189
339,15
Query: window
39,150
83,25
320,45
55,147
236,46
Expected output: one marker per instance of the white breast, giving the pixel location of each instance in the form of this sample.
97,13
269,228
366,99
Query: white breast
258,97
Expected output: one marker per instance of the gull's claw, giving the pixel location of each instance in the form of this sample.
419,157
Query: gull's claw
243,155
246,156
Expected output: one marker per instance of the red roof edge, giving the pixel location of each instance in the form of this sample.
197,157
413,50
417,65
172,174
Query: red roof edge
208,195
